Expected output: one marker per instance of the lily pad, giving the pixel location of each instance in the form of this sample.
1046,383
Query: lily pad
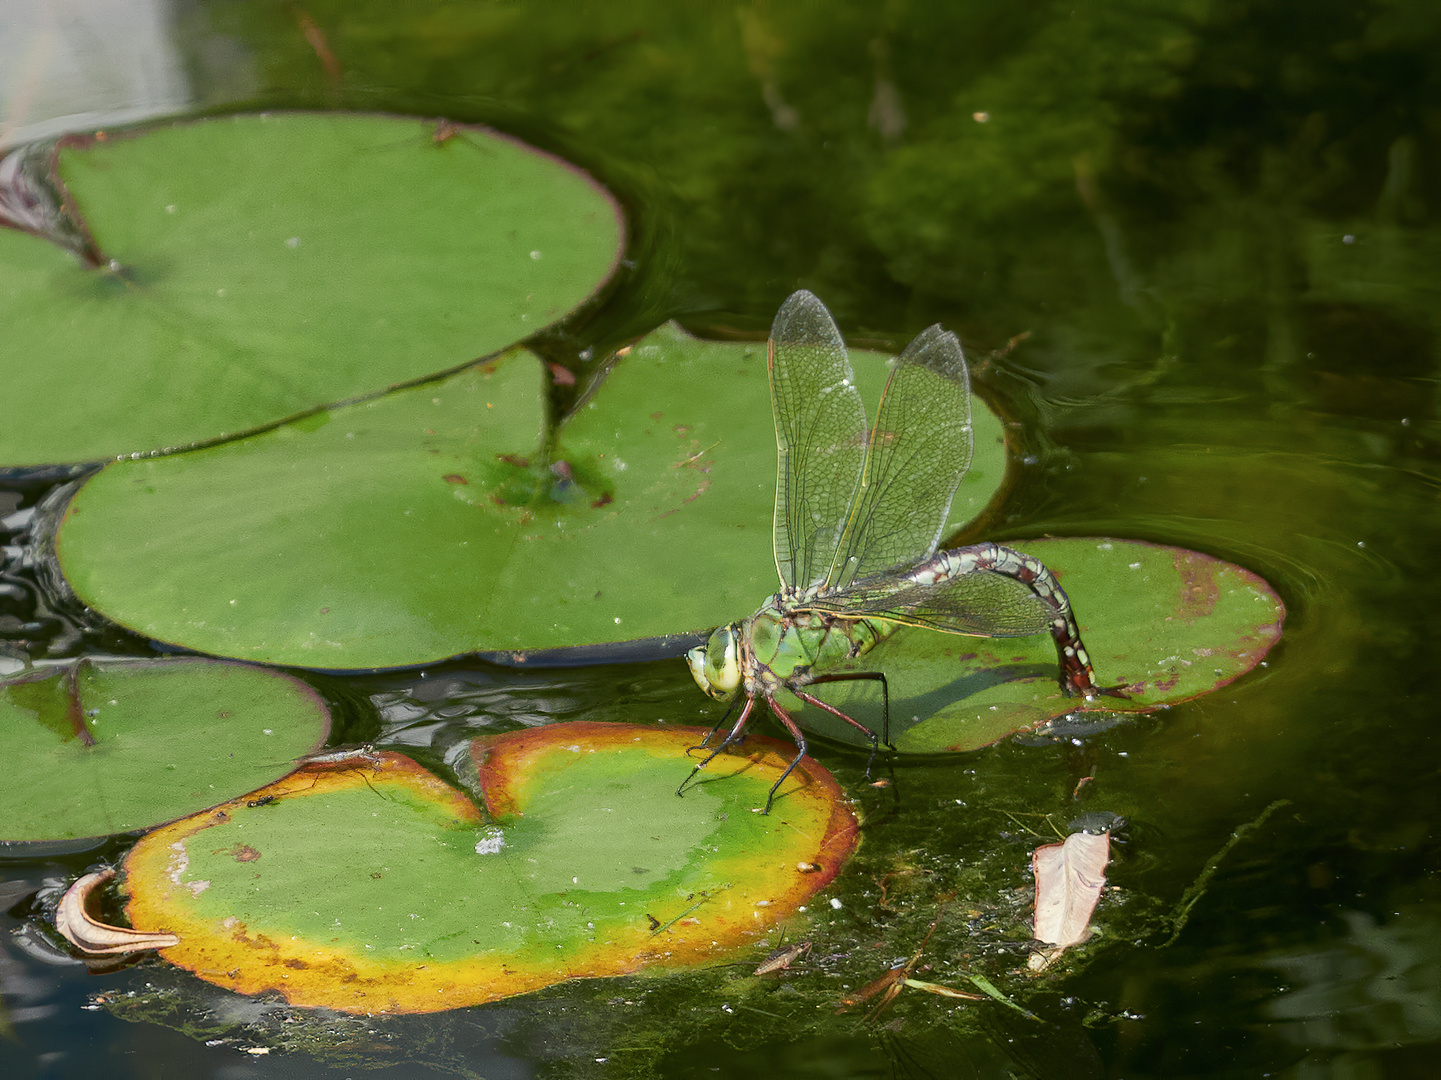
371,886
272,264
423,525
1162,624
110,747
369,535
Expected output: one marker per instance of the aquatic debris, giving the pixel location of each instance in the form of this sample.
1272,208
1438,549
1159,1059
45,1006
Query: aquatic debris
1069,880
97,938
889,985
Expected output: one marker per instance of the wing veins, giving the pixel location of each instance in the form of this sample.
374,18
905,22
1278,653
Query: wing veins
820,427
916,455
982,603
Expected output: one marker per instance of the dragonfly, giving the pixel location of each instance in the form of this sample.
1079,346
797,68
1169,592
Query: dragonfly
859,514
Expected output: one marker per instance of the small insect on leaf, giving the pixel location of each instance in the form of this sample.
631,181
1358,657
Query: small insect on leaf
96,938
783,957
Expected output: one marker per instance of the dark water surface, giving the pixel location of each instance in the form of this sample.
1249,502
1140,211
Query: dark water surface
1191,247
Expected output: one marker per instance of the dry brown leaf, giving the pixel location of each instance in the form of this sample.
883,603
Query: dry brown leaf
96,938
943,991
1069,880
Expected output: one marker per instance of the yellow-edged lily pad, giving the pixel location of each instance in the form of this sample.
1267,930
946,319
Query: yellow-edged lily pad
369,885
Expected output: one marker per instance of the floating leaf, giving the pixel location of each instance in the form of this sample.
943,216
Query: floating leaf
1162,623
94,937
372,886
120,746
271,264
941,990
423,525
371,535
1069,880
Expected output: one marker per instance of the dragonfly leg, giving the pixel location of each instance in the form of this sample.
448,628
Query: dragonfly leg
796,734
730,739
885,709
705,743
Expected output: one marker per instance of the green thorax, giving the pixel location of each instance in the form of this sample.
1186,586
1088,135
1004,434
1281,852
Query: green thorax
785,646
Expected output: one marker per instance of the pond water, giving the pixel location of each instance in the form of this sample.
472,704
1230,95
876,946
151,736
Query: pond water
1191,254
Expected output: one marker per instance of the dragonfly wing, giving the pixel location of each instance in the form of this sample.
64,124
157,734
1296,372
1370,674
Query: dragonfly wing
820,435
918,451
984,603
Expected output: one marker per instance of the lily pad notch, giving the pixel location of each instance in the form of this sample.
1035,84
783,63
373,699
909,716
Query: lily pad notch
108,747
370,885
415,527
262,266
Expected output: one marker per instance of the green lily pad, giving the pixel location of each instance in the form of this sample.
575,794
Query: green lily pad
110,747
272,264
1162,624
369,535
422,525
369,885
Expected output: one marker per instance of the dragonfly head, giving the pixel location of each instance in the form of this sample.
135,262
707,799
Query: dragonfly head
716,665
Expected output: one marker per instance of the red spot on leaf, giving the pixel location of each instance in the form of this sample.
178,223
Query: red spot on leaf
240,853
1199,589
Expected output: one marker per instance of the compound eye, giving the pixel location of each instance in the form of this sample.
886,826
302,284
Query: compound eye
715,666
723,660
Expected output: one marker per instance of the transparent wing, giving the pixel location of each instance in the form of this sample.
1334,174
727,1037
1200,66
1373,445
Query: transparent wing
919,449
983,602
821,436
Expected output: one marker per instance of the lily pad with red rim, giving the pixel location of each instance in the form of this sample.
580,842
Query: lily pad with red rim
1162,624
369,885
110,747
256,267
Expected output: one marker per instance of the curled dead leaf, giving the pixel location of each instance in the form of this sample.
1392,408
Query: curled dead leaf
1069,880
96,938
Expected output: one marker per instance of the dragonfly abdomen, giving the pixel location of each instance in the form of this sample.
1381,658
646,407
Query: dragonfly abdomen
1077,675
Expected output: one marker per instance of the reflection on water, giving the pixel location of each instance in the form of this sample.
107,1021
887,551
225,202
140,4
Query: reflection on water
76,64
1376,987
